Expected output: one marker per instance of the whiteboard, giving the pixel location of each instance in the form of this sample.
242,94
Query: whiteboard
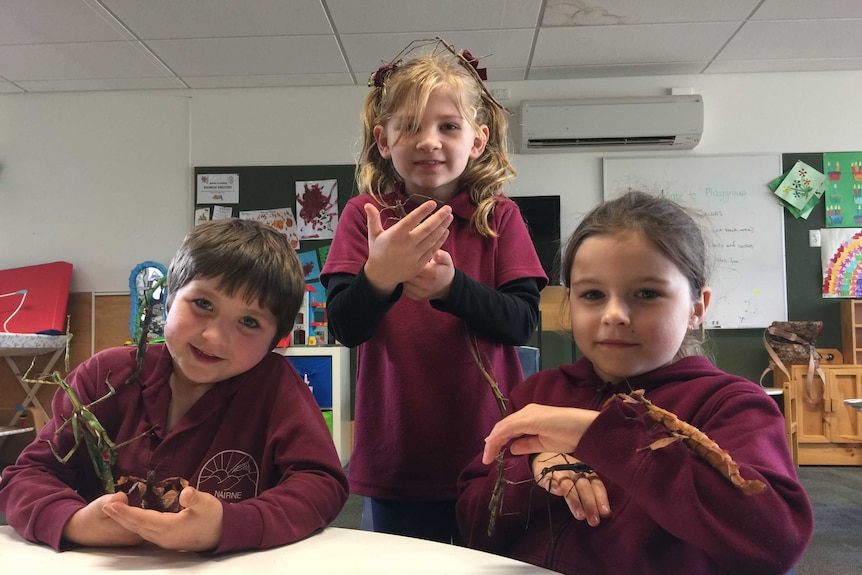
747,226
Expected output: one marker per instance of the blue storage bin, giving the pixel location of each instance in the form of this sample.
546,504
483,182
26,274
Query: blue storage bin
319,373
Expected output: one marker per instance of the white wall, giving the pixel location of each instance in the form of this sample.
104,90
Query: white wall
104,180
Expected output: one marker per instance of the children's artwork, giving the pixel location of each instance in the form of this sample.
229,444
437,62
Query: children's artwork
310,267
222,212
322,254
317,205
281,219
202,215
799,189
841,261
843,189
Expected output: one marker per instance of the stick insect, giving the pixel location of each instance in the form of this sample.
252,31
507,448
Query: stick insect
84,423
87,429
496,503
696,440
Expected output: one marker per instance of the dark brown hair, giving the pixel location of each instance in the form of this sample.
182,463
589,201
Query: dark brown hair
671,228
248,258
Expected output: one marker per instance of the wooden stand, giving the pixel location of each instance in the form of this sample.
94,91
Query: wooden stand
18,351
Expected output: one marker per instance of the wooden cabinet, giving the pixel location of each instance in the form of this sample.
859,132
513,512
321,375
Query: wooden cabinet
829,432
851,330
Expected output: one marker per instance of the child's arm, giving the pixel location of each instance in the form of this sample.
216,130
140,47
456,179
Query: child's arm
356,303
509,314
353,308
40,495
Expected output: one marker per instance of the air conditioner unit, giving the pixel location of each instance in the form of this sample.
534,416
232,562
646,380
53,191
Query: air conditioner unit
611,124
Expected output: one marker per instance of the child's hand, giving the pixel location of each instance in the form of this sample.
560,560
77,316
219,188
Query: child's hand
537,428
434,280
397,254
198,527
91,526
585,493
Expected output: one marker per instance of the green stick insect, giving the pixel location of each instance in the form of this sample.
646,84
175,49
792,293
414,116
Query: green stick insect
87,429
85,425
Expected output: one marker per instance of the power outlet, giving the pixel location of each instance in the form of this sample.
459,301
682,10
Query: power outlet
814,238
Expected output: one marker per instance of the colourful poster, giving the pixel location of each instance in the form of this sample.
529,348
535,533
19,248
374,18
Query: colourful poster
841,262
843,189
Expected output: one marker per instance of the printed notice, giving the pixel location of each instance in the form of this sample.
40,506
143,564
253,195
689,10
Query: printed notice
218,189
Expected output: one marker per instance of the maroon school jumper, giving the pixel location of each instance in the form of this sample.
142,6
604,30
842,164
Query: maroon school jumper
671,511
257,442
422,406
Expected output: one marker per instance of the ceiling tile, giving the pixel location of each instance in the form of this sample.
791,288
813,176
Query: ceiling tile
808,10
495,49
568,72
269,81
152,19
9,88
630,44
51,45
251,56
372,16
795,39
78,61
55,21
613,12
807,65
102,84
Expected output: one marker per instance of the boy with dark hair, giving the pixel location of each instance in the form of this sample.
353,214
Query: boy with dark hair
212,405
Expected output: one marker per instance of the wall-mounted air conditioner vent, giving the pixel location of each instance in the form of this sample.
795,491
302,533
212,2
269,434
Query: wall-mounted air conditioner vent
647,123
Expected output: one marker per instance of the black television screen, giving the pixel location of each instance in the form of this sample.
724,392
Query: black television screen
542,215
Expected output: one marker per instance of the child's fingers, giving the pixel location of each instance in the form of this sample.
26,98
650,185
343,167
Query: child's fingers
589,499
372,218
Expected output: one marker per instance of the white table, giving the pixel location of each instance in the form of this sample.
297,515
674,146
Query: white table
333,550
854,403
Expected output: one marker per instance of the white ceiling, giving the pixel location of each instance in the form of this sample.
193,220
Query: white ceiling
74,45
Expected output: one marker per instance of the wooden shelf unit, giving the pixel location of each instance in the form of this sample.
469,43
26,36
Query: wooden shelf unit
828,432
851,330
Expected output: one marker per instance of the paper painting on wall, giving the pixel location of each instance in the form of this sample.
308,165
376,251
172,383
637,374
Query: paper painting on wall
843,189
202,215
310,266
281,219
841,261
799,189
317,206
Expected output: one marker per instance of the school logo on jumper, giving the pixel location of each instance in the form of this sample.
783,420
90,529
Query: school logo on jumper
230,475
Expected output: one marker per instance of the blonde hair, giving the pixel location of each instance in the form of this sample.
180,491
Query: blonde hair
408,86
